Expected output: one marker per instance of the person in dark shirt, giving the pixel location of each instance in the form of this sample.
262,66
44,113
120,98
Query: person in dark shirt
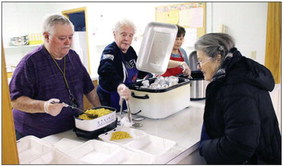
46,80
117,69
240,125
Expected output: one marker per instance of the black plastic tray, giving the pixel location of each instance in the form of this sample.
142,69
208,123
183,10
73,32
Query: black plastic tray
94,134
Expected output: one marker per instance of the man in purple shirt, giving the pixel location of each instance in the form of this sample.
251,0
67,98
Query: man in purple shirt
47,79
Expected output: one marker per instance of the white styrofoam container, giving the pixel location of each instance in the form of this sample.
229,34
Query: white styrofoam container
65,145
95,152
130,157
156,47
97,123
55,157
151,145
31,148
134,133
161,103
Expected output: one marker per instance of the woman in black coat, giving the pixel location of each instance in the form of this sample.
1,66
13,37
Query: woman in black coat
240,125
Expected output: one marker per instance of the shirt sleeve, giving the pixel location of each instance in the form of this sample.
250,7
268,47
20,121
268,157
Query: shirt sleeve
22,82
109,76
110,70
87,82
185,56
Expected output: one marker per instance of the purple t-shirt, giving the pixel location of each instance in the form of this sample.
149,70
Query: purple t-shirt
38,77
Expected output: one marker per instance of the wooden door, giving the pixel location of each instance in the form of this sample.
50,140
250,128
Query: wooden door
9,146
273,40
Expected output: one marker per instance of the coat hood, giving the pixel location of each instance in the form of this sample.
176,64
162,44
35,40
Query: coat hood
239,69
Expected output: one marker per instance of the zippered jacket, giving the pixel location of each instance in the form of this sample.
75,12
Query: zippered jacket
239,117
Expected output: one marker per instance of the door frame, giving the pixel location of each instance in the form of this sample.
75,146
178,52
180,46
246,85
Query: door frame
76,10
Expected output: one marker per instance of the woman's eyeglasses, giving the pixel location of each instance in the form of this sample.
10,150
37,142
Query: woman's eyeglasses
199,63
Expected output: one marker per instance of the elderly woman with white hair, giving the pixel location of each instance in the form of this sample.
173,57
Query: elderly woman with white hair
117,67
240,125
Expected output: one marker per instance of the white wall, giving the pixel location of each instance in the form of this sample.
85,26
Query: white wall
246,22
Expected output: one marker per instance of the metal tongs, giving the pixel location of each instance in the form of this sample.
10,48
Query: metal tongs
128,112
127,120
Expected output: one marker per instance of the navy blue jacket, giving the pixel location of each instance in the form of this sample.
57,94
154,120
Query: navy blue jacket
239,117
110,69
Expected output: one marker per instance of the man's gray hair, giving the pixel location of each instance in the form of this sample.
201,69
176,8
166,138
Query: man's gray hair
213,44
52,20
124,22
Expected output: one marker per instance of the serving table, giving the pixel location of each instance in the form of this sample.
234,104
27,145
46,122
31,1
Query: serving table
183,127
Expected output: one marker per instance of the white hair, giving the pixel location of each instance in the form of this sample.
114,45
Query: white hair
124,22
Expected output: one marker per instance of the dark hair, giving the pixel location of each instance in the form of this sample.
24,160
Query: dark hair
181,31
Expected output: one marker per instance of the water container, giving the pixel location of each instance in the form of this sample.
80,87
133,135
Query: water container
193,61
197,83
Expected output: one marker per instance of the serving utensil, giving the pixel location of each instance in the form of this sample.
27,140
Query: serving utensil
127,121
80,111
92,116
134,124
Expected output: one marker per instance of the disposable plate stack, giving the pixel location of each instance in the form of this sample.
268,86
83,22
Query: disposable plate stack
33,150
153,149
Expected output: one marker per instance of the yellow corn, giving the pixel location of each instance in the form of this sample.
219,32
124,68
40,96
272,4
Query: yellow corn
118,135
99,112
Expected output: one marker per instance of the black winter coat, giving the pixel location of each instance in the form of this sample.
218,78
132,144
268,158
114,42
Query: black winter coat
239,117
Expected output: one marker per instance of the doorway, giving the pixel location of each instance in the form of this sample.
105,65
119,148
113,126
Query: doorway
80,38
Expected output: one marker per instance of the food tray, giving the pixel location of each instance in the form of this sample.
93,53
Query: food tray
97,123
151,145
55,157
134,133
130,157
65,145
156,47
95,152
31,148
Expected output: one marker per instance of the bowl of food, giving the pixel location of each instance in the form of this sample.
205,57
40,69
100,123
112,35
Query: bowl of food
103,119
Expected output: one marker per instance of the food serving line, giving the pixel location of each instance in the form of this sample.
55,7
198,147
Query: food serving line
170,130
183,128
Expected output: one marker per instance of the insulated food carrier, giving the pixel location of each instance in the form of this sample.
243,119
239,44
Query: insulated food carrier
93,128
159,103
